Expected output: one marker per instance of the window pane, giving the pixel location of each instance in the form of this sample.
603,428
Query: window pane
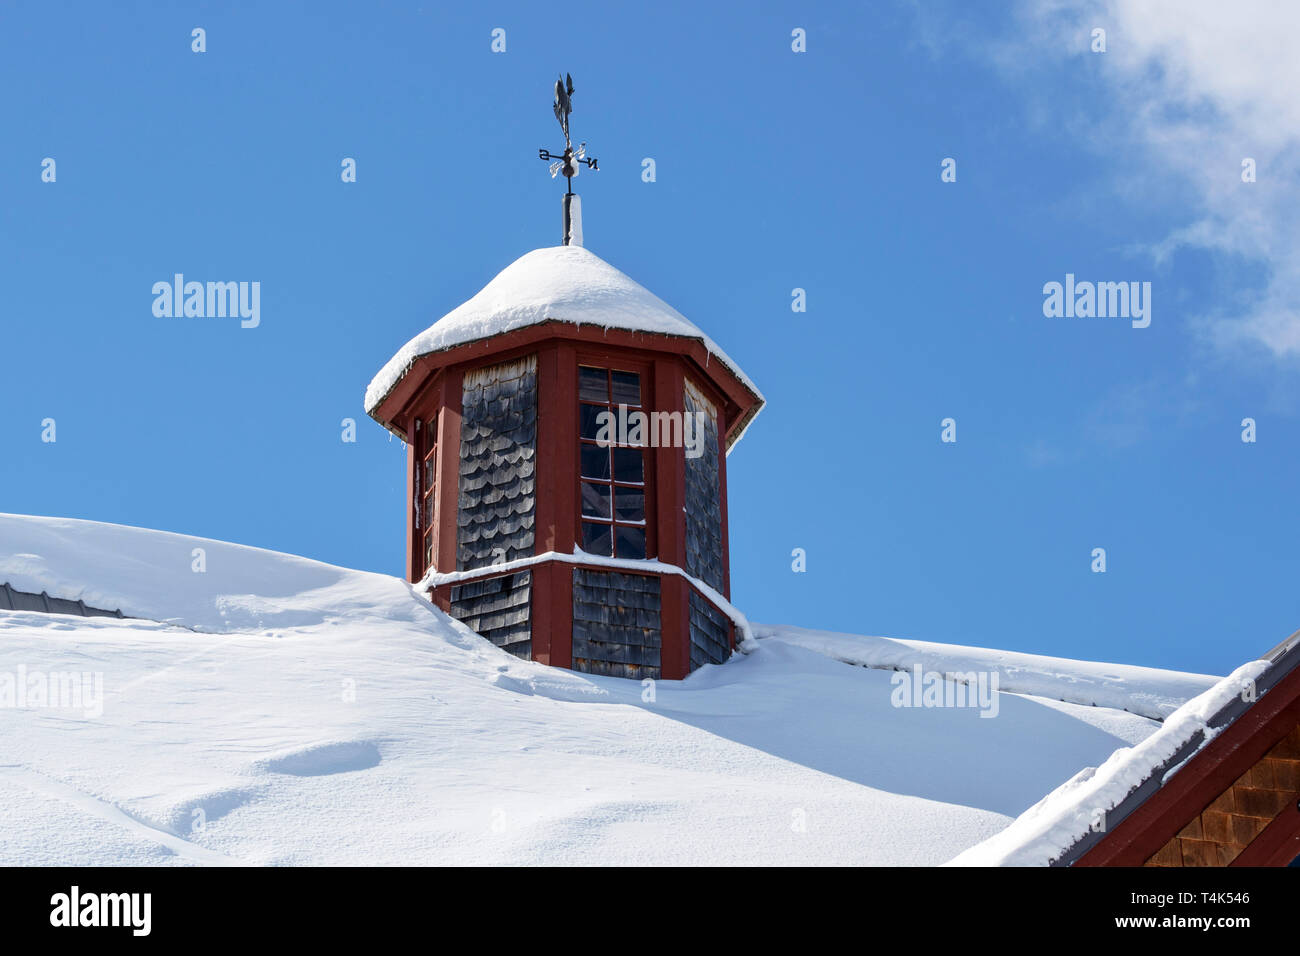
627,388
595,500
593,384
595,462
631,542
428,473
428,511
629,503
428,550
589,422
596,538
628,465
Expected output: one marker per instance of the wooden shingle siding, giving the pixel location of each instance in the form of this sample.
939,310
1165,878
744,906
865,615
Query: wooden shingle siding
12,599
1225,828
499,609
498,464
616,624
703,497
709,641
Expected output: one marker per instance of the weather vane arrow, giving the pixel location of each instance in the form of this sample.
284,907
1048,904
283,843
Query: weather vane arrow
571,159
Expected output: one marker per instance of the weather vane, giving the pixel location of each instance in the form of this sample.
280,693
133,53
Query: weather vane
572,158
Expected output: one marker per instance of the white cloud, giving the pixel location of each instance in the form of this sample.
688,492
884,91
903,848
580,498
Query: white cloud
1213,82
1199,85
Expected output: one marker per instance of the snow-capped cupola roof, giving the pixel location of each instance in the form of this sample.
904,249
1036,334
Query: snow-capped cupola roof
559,283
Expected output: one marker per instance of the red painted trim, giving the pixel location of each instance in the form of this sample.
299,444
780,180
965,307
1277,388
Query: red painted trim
1277,845
562,614
552,607
670,471
563,451
549,429
737,394
412,536
444,517
1206,775
726,526
541,618
441,600
428,401
674,627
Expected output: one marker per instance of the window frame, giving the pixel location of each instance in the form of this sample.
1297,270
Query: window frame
610,363
428,411
426,464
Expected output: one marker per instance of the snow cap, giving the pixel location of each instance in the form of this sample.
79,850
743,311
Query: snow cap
558,283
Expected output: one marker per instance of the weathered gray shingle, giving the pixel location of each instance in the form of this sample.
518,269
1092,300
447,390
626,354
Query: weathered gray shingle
709,633
616,624
496,494
704,498
499,609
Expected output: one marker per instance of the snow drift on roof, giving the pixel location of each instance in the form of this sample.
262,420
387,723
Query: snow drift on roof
346,690
152,575
1040,835
1148,691
563,283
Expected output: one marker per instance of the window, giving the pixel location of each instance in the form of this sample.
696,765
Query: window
612,477
426,486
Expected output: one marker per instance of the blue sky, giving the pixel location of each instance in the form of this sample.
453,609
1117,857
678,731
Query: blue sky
775,170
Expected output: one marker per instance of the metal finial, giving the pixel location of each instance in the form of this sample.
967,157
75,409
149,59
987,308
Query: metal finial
568,161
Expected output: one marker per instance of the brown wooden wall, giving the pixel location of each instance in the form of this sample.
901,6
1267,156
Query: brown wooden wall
1219,834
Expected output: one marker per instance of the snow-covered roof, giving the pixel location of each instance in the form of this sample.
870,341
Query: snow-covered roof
282,685
1069,820
1080,805
560,283
1147,691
